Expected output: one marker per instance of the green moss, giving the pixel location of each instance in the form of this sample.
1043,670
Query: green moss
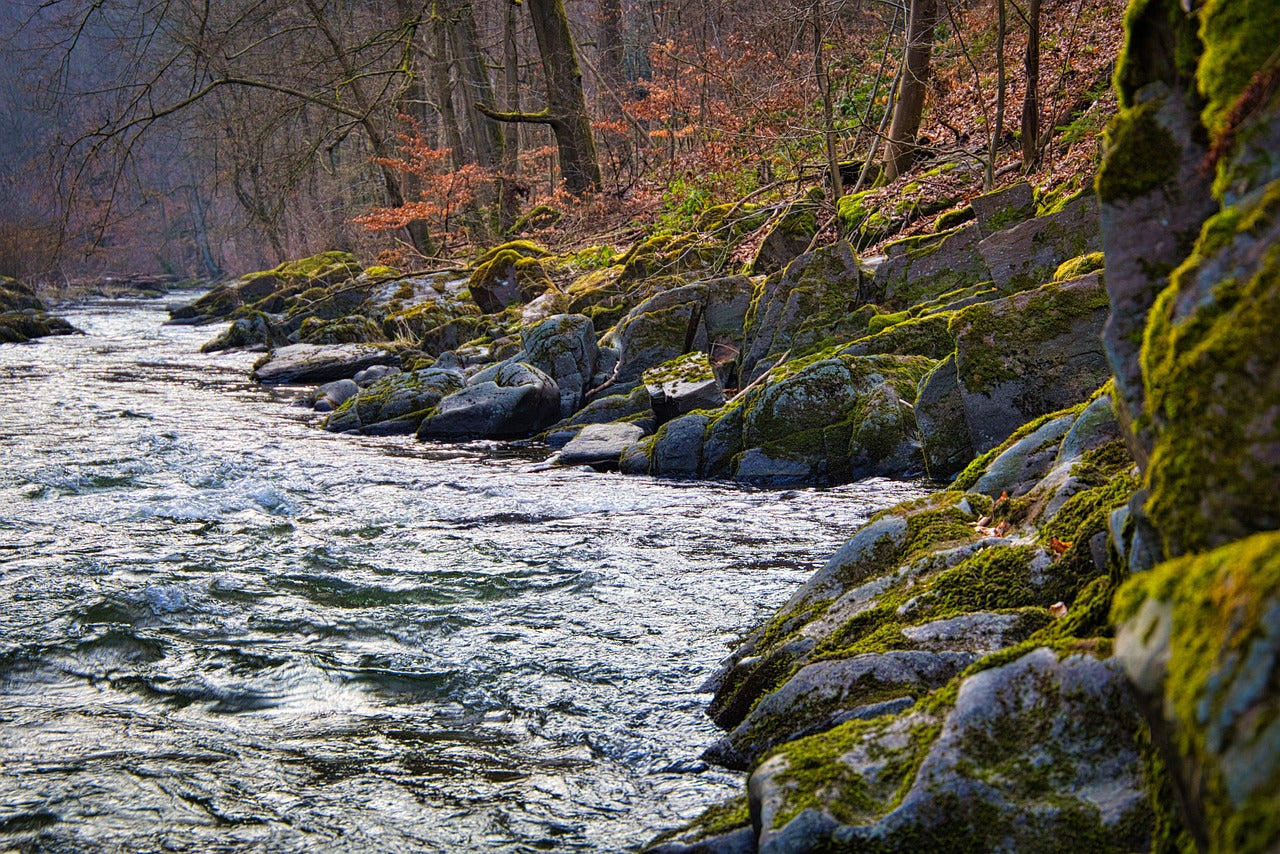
521,248
1212,376
381,271
1141,155
689,368
881,322
714,821
1079,266
1152,28
1224,711
952,219
925,336
991,336
1239,38
819,780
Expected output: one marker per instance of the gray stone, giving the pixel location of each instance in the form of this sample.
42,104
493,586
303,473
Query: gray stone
677,447
758,467
396,403
980,632
330,396
812,301
1023,463
600,444
1146,237
1001,774
564,348
369,375
1027,255
682,385
1028,355
1005,207
520,400
918,269
313,363
740,841
245,333
1093,428
944,431
818,693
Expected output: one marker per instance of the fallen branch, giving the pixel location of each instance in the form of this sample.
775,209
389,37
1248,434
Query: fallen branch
758,380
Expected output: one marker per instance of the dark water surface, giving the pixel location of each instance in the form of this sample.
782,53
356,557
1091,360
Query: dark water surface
222,629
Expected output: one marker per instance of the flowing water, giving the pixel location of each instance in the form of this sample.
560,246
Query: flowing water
222,629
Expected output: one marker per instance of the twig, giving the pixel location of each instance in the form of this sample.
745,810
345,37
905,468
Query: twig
758,380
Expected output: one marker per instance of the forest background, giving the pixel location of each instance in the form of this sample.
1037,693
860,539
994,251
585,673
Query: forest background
201,139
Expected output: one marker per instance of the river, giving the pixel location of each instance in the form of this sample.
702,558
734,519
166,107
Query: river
223,629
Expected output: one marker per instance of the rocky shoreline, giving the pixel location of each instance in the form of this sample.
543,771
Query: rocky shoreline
1071,647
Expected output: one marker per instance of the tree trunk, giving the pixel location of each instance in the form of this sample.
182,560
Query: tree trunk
566,110
611,50
1002,86
508,202
828,109
477,87
441,66
1031,103
911,89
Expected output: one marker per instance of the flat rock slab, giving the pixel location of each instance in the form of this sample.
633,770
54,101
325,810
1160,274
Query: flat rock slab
315,363
600,444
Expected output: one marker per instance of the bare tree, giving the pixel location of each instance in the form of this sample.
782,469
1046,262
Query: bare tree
909,108
566,110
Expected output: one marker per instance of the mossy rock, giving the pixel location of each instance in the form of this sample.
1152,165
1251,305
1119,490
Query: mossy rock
810,306
919,269
1011,757
16,296
17,327
1200,638
509,274
1082,265
1211,364
1029,354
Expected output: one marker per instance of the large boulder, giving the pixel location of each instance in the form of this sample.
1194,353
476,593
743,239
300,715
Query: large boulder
705,316
804,308
833,419
298,364
1033,755
251,332
24,316
518,401
270,289
1029,354
507,274
564,348
1027,254
394,404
